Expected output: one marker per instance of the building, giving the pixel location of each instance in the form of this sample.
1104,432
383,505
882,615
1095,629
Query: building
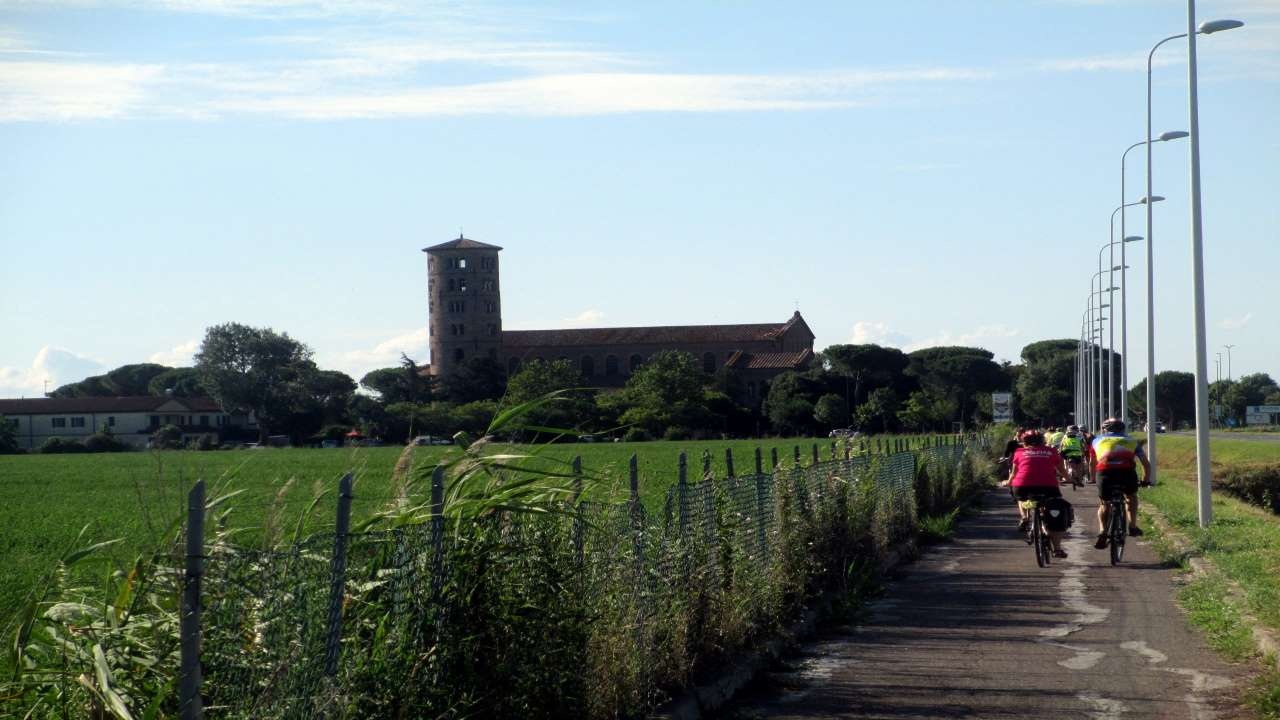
465,311
129,419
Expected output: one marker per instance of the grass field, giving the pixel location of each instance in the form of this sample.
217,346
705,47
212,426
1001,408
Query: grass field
1243,542
45,500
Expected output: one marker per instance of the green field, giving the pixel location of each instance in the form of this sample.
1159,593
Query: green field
46,499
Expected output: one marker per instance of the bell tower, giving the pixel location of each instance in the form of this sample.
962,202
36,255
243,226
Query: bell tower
464,303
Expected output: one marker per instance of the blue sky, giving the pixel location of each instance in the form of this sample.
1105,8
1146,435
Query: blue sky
908,173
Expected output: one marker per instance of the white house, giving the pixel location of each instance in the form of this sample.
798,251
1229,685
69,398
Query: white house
130,419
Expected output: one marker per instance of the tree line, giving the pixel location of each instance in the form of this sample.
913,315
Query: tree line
864,386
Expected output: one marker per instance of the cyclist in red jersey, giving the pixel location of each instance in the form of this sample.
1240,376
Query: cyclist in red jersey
1034,472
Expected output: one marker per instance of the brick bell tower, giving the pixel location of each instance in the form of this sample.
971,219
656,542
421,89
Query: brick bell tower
464,303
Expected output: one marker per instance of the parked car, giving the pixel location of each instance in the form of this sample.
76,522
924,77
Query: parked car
844,433
431,440
592,438
1159,428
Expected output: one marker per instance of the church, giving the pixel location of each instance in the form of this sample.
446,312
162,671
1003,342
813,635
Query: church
465,321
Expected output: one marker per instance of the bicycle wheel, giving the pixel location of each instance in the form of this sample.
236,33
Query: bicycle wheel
1040,541
1118,531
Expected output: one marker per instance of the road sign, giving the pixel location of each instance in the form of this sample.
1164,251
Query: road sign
1002,407
1259,409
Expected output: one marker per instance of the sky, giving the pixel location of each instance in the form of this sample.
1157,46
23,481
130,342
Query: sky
909,173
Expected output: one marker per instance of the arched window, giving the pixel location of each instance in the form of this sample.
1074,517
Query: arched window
513,366
457,355
709,362
611,365
636,362
588,364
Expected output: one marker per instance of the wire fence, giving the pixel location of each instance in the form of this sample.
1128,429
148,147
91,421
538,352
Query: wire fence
600,610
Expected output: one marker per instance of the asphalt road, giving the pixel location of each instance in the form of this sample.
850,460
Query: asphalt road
975,629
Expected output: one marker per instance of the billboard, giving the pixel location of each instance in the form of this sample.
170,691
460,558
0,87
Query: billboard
1002,407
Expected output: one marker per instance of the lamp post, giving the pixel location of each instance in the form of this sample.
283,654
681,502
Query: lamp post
1228,347
1203,476
1147,200
1207,28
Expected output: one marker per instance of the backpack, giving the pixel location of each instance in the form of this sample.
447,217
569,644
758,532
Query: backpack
1058,514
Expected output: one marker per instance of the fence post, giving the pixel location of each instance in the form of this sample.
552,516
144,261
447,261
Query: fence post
834,455
637,518
728,462
437,533
760,510
578,552
682,493
338,578
877,446
773,457
706,465
797,455
192,706
847,449
759,462
815,453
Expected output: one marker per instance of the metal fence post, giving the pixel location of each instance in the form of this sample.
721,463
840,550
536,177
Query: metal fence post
190,703
437,533
728,462
759,462
682,493
773,458
815,453
760,514
578,522
796,455
338,578
637,519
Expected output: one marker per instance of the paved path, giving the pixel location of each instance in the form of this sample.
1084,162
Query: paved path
975,629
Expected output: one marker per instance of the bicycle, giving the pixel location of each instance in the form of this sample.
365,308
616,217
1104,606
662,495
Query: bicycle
1075,471
1117,524
1037,536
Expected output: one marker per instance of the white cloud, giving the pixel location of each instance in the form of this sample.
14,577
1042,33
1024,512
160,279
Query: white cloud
877,333
54,365
177,356
1109,63
42,90
1236,323
586,318
978,337
385,354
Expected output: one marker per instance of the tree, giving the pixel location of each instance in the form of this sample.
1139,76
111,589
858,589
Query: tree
790,404
132,380
1248,390
928,409
8,436
93,386
866,367
880,412
1175,398
538,378
254,369
668,393
178,382
831,411
955,374
477,378
1045,385
404,383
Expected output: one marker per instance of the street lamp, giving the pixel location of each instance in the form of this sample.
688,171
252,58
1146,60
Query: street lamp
1203,477
1228,347
1207,28
1124,277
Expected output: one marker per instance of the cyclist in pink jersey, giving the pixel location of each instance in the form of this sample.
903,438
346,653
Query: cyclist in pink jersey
1034,472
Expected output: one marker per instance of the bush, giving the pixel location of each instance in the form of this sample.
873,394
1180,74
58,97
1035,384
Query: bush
676,433
56,446
167,437
1255,484
637,434
104,442
207,441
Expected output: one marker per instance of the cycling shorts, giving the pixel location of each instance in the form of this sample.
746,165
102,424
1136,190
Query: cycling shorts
1125,480
1028,492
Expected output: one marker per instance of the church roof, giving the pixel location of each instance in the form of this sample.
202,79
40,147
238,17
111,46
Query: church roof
769,361
461,243
655,335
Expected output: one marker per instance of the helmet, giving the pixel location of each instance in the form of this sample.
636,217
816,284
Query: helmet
1073,428
1113,425
1031,437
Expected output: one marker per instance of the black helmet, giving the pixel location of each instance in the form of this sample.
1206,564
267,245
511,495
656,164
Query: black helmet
1073,428
1113,425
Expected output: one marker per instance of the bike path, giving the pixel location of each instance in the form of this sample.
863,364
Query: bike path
974,629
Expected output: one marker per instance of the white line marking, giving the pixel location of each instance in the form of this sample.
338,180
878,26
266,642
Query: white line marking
1201,682
1073,591
1104,708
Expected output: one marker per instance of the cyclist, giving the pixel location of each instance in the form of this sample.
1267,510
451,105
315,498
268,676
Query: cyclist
1072,448
1054,439
1034,471
1116,456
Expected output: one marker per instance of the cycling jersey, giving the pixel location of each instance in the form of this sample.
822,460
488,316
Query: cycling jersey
1055,439
1071,446
1035,466
1116,452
